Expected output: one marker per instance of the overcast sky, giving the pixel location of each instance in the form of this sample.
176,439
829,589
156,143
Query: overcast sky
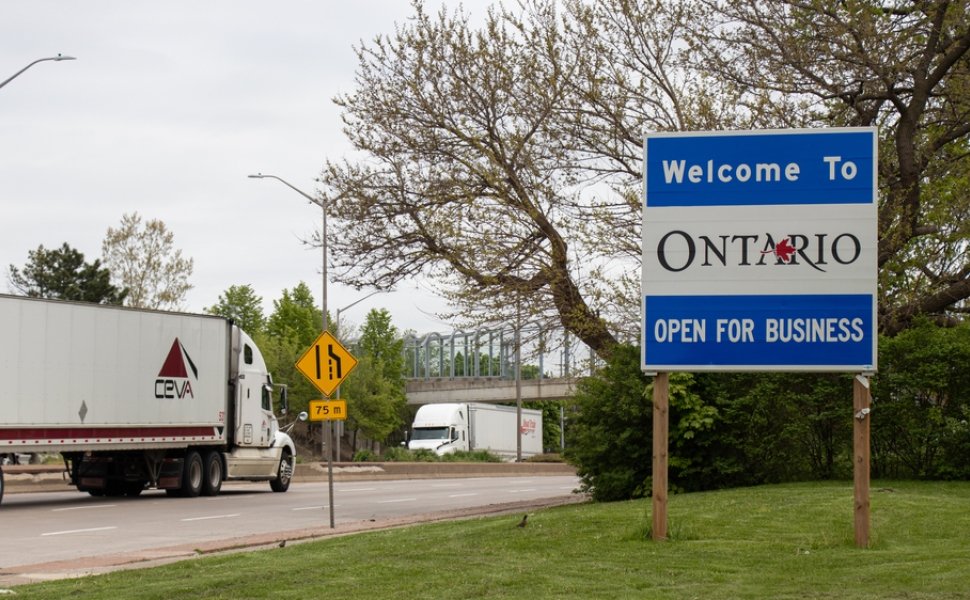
168,108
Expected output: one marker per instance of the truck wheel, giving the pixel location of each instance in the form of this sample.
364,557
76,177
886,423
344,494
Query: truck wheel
212,474
1,484
285,474
192,475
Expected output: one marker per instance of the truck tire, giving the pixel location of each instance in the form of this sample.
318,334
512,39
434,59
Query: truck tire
285,474
192,475
212,474
1,485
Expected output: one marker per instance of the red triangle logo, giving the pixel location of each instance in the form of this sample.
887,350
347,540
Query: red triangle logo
175,364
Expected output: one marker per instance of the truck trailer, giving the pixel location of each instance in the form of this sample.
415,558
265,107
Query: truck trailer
135,399
447,428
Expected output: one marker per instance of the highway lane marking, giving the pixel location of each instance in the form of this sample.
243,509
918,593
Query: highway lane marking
314,507
359,490
523,491
211,517
447,485
463,495
70,531
397,500
84,507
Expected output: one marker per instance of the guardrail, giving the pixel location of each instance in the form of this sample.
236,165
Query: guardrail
490,353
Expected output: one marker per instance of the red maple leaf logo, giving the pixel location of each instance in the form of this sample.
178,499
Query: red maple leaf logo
783,250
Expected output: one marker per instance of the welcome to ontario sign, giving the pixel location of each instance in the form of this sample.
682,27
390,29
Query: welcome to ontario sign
760,251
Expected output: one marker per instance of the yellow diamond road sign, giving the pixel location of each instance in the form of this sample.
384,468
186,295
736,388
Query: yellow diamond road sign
326,363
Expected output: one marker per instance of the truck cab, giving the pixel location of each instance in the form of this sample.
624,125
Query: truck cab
441,428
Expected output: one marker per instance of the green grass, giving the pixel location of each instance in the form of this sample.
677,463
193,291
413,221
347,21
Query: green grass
786,541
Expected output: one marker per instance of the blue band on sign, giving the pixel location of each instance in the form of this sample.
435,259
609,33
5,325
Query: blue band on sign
797,330
814,167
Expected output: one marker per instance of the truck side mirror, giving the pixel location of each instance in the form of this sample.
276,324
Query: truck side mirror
284,400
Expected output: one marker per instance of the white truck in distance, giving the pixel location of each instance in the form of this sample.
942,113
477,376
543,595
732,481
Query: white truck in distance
135,399
447,428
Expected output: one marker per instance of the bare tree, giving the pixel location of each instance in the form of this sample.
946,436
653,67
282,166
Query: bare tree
466,178
144,260
504,160
899,64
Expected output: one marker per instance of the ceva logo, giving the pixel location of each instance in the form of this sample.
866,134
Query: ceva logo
173,380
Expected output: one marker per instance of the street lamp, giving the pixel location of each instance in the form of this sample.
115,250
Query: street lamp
57,58
323,242
323,235
351,305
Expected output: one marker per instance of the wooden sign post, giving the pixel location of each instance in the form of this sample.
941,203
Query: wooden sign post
861,399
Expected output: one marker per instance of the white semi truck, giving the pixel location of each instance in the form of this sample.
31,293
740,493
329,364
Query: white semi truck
447,428
135,399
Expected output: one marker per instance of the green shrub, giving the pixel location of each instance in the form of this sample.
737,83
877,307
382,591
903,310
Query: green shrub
548,457
397,454
365,455
473,456
425,455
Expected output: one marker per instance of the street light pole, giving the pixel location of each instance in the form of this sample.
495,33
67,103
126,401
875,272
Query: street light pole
323,236
57,58
328,442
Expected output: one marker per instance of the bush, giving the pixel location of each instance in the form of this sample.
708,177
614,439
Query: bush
365,455
549,457
473,456
397,454
425,455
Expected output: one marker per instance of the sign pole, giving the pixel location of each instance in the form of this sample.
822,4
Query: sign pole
861,399
661,403
329,425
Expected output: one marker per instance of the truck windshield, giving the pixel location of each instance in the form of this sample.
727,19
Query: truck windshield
429,433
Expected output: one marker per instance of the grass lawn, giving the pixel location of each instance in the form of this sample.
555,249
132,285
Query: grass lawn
785,541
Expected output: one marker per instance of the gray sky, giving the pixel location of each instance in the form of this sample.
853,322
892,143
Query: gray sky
168,108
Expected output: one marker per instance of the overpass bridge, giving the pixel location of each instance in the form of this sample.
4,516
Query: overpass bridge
480,365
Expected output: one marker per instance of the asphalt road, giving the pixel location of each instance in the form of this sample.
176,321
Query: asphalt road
62,527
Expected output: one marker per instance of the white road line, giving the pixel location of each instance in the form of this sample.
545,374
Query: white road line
313,507
446,485
397,500
84,507
212,517
522,491
357,490
463,495
78,531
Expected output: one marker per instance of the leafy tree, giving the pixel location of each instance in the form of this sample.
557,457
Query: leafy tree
290,330
62,274
921,404
241,304
376,401
144,260
295,317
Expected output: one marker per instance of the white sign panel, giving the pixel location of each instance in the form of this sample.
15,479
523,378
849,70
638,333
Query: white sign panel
760,251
